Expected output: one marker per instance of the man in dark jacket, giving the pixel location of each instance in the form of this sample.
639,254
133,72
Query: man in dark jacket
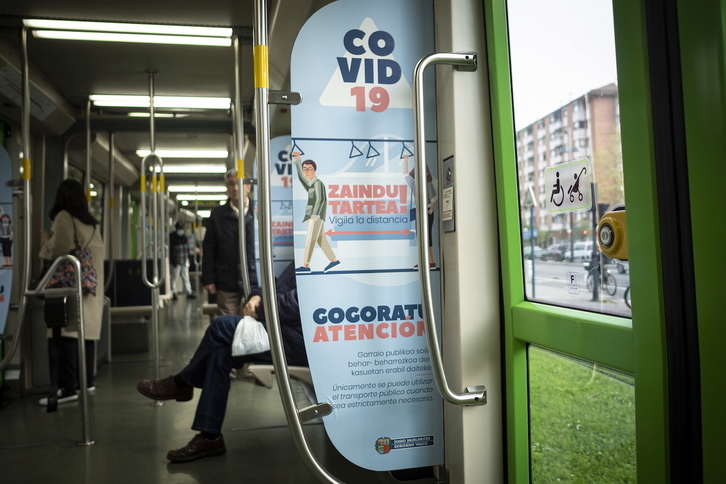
221,275
210,366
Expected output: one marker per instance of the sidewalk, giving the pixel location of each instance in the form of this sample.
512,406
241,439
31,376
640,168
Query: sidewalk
559,293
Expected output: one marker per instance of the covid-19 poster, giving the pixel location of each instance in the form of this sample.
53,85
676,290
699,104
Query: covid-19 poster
352,171
6,235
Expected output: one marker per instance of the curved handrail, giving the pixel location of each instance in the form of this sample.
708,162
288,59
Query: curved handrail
77,292
267,280
153,215
422,230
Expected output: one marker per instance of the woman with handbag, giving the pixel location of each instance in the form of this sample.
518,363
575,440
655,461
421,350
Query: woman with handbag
73,229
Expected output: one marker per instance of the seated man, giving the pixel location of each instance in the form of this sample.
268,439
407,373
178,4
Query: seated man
210,366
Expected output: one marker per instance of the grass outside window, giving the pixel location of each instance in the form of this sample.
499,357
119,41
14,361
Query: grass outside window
582,421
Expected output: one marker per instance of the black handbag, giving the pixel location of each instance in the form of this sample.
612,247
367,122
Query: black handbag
55,311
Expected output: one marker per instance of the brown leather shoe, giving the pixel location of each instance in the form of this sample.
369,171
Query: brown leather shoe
197,448
164,389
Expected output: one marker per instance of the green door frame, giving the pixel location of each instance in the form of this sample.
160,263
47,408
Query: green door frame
640,347
635,348
702,31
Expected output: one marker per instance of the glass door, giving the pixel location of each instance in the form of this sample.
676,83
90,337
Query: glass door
572,129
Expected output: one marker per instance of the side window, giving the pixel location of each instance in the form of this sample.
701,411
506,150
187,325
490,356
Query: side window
565,92
97,192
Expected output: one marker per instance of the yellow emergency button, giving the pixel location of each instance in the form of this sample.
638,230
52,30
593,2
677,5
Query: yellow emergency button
612,234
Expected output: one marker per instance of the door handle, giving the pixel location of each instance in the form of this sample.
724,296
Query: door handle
468,62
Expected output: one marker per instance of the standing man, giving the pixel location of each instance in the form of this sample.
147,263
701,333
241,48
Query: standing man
221,267
314,214
179,260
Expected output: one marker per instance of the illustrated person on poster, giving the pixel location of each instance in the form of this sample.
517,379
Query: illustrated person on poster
314,214
6,235
431,199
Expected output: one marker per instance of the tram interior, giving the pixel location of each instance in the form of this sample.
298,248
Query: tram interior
130,436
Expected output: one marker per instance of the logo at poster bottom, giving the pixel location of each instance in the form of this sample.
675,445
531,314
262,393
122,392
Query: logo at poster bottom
386,444
383,445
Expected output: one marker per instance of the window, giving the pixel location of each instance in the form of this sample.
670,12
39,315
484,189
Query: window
544,85
586,433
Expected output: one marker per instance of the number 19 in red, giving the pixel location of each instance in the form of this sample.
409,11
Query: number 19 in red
377,95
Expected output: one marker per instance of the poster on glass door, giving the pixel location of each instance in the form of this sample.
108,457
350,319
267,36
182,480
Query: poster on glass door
6,236
354,227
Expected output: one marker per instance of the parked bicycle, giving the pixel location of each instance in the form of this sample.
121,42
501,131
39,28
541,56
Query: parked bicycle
607,280
627,297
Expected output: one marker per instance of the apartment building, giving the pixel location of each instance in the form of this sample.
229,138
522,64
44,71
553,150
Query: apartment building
588,126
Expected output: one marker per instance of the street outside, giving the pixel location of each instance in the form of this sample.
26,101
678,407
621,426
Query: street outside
565,284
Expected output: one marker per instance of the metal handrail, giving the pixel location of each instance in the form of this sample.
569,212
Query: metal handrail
67,291
159,208
88,152
26,271
158,278
467,60
238,139
293,415
109,236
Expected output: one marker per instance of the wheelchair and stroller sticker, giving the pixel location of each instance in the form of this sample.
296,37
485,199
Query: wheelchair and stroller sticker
568,186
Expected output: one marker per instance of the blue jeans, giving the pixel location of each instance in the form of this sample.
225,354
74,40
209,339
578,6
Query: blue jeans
209,370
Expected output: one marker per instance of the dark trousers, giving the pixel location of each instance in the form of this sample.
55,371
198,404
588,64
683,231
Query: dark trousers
209,370
67,363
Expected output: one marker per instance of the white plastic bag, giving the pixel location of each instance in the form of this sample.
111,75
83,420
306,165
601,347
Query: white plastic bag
250,337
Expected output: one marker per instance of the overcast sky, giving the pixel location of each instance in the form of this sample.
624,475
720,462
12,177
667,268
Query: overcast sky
560,49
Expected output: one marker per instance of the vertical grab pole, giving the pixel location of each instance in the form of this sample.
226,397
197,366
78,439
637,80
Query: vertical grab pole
153,216
239,146
83,383
111,210
261,79
81,340
162,225
25,129
197,257
478,395
155,232
150,220
88,152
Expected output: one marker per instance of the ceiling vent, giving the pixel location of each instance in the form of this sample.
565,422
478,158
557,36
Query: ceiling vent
50,114
126,173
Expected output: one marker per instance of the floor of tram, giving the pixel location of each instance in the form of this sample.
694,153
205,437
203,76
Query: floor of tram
131,437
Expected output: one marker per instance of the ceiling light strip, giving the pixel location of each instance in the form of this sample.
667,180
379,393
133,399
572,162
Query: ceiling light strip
200,197
132,38
194,169
183,30
156,115
179,102
197,188
185,153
